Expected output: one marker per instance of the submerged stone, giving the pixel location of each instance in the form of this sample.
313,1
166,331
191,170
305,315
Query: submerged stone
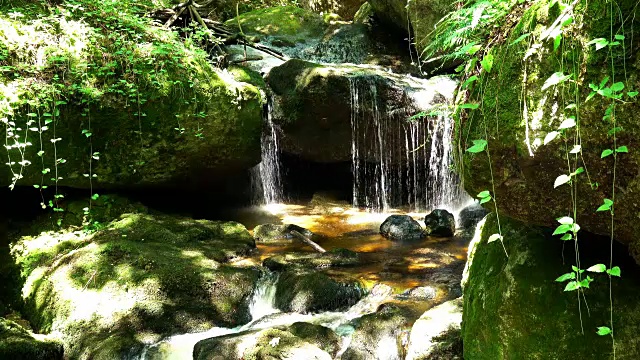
267,233
332,258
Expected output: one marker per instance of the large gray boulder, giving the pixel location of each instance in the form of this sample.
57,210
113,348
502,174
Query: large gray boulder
436,334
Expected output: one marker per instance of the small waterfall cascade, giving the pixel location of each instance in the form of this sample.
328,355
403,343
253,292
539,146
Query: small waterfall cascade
266,177
398,161
264,297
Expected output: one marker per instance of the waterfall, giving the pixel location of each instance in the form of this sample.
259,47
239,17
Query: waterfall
266,176
396,161
264,297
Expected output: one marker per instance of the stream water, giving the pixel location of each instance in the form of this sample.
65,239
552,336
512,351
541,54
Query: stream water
436,263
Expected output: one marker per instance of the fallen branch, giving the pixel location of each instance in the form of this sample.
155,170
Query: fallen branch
308,241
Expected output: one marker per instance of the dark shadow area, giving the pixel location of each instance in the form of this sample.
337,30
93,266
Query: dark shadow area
10,282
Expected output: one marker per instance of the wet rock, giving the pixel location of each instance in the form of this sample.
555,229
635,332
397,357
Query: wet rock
436,334
299,341
152,274
307,292
18,343
268,233
421,293
401,228
470,216
336,257
380,335
440,223
532,318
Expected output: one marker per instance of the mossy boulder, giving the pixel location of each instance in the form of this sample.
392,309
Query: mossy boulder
154,112
141,278
513,308
316,105
380,335
436,334
17,343
335,257
305,291
518,121
288,23
299,341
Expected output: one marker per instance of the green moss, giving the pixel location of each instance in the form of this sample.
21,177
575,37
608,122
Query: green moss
17,343
513,308
287,21
142,274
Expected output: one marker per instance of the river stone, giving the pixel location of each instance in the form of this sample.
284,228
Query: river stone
156,275
436,334
304,292
267,233
18,343
513,308
440,223
298,341
470,216
335,257
401,228
380,335
524,169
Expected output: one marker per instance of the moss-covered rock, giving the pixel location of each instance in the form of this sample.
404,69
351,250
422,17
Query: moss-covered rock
142,109
17,343
335,257
267,233
513,308
140,278
519,120
299,341
286,22
436,334
380,335
315,108
305,291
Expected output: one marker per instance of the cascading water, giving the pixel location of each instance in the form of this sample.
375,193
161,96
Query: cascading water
266,177
264,297
398,162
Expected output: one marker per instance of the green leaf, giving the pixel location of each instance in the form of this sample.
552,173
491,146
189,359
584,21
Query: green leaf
571,286
485,200
606,153
562,229
487,63
614,271
95,197
566,237
567,276
576,149
622,149
555,79
568,123
599,42
602,83
597,268
550,137
478,146
632,93
603,330
556,41
36,186
619,37
483,194
617,86
495,237
469,106
565,220
469,81
561,180
474,49
571,106
606,206
520,38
